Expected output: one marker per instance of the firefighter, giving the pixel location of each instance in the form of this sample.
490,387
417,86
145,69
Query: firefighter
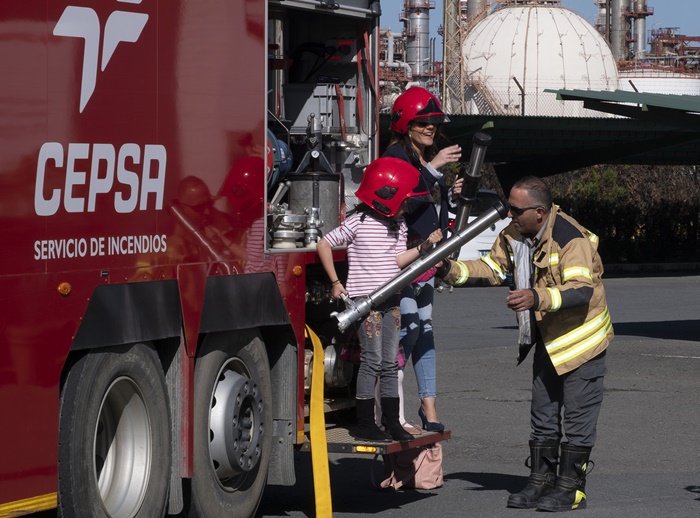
559,299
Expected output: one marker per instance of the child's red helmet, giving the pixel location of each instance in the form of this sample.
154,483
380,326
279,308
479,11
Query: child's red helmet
416,103
387,182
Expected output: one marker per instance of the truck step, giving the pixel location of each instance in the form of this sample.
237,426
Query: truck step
339,440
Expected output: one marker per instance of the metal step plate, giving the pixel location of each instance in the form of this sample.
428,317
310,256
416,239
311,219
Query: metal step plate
340,441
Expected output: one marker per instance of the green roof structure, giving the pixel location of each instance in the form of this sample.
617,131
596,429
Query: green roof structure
652,129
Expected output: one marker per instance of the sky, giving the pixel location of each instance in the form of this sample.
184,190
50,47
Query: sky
684,14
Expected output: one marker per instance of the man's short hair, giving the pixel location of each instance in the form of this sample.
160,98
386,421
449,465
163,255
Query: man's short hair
537,190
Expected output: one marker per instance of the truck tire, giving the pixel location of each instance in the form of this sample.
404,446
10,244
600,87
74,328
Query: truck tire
232,425
114,436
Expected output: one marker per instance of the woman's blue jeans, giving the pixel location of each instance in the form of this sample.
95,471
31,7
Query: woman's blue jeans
417,334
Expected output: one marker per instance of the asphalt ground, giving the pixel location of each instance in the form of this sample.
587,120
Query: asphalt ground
647,457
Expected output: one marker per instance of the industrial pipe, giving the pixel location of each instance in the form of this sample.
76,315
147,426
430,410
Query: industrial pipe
356,309
471,177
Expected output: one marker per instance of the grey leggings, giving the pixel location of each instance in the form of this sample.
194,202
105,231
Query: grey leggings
378,335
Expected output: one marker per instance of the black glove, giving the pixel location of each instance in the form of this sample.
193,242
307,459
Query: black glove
443,269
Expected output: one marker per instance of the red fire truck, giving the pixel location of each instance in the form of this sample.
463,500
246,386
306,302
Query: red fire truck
166,168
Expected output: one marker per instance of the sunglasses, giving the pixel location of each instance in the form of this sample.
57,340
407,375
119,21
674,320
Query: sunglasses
425,124
518,211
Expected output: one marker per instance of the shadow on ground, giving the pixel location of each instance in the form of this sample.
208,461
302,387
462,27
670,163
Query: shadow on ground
666,330
490,481
354,483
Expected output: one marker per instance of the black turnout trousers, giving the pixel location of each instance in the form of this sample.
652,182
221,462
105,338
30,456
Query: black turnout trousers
574,397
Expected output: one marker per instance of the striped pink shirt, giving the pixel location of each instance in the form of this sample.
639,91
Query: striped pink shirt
372,250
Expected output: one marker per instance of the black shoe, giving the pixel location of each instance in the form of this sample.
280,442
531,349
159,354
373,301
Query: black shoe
429,425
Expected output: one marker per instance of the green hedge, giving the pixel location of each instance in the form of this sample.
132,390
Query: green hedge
642,214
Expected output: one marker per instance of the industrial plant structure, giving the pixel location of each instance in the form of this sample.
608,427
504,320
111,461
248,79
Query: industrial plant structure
512,55
407,58
500,55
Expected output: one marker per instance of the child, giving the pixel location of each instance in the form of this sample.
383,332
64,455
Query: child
376,239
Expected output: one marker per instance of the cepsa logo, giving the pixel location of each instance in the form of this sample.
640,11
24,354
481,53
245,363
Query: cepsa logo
83,22
132,173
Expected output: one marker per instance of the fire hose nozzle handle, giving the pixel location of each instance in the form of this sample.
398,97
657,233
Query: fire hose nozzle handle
440,286
349,303
354,312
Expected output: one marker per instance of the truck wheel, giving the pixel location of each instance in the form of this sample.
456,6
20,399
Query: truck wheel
232,425
114,436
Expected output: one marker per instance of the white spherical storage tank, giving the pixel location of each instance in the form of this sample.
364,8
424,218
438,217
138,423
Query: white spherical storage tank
518,51
658,81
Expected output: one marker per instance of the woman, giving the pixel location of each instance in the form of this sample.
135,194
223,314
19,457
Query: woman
416,117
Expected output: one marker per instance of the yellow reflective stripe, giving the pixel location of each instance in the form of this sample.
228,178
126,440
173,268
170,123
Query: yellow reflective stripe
29,505
593,238
569,354
463,273
554,259
556,298
599,322
576,271
487,259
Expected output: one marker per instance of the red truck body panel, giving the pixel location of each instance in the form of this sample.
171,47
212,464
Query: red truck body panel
134,149
94,149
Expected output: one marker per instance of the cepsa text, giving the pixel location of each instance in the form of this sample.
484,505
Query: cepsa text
110,176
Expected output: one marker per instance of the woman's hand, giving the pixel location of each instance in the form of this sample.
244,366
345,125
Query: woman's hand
447,155
435,237
457,188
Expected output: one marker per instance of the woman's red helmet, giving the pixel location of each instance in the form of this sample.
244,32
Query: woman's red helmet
416,103
387,182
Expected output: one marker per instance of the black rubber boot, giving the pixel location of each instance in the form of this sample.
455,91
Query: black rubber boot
366,428
390,420
543,473
569,491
